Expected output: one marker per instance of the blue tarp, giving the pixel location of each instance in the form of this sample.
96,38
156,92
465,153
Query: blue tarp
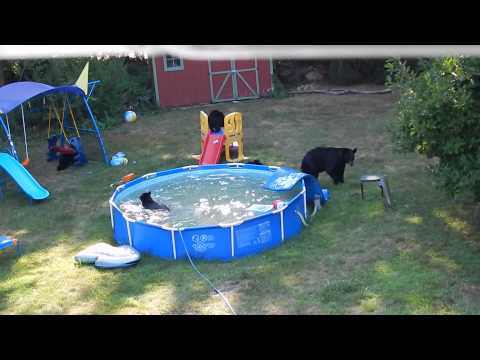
14,94
285,179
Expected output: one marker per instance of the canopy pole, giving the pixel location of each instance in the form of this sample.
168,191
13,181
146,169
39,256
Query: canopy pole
25,134
8,122
97,131
9,137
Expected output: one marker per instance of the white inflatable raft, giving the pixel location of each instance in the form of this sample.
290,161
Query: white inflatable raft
106,256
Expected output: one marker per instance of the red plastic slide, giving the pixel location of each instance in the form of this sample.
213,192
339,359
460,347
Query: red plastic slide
212,149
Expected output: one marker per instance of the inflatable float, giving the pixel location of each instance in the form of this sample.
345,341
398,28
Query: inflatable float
106,256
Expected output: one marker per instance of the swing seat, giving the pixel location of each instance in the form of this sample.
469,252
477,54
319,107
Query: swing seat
80,158
52,143
53,150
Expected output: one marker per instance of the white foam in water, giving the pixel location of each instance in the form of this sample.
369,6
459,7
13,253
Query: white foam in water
201,200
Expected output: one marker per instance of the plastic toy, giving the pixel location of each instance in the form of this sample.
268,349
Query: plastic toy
106,256
234,136
212,144
6,242
123,180
129,116
25,181
119,159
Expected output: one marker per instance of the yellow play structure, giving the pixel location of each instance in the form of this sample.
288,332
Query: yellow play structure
233,132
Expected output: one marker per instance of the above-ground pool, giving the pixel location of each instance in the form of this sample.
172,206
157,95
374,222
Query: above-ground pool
217,212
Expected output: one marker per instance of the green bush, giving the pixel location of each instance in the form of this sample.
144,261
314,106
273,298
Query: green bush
119,87
279,90
437,115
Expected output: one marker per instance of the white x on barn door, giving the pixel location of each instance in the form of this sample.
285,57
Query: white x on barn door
233,80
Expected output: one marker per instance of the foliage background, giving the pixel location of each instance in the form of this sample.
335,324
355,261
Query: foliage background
124,82
437,115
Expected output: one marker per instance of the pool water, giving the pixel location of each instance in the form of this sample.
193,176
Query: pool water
203,198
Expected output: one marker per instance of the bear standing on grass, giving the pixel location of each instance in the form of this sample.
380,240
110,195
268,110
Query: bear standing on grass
331,160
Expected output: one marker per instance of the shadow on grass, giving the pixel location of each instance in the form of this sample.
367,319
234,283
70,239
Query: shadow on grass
355,257
425,258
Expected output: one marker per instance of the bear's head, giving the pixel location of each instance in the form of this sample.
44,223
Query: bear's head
145,197
349,156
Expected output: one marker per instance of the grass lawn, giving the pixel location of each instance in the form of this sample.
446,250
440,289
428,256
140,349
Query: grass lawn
355,258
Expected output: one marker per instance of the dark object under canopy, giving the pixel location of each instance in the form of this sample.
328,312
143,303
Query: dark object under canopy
15,94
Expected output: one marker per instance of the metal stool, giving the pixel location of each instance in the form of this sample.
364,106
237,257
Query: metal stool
382,183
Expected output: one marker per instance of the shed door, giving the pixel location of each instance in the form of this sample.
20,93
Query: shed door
233,80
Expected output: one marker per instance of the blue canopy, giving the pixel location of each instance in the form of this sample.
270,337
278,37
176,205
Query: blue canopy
14,94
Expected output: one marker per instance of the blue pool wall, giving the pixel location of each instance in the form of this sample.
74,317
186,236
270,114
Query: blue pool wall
220,242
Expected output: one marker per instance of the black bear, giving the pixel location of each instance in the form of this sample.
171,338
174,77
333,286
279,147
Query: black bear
331,160
66,158
149,203
216,121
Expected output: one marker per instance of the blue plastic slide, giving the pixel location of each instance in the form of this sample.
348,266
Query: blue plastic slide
22,177
6,242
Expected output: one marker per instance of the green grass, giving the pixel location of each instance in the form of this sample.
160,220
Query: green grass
354,258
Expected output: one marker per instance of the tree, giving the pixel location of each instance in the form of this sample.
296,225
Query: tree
121,85
438,115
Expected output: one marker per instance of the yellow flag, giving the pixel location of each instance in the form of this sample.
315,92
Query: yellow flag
82,81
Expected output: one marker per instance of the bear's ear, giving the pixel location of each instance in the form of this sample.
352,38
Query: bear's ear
354,150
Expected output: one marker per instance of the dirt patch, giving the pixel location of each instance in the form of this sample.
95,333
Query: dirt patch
471,292
234,287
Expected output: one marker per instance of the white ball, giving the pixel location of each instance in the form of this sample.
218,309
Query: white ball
129,116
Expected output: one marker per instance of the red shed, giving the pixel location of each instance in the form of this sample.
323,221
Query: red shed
180,82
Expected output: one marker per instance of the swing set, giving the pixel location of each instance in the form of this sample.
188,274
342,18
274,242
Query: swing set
14,95
74,146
